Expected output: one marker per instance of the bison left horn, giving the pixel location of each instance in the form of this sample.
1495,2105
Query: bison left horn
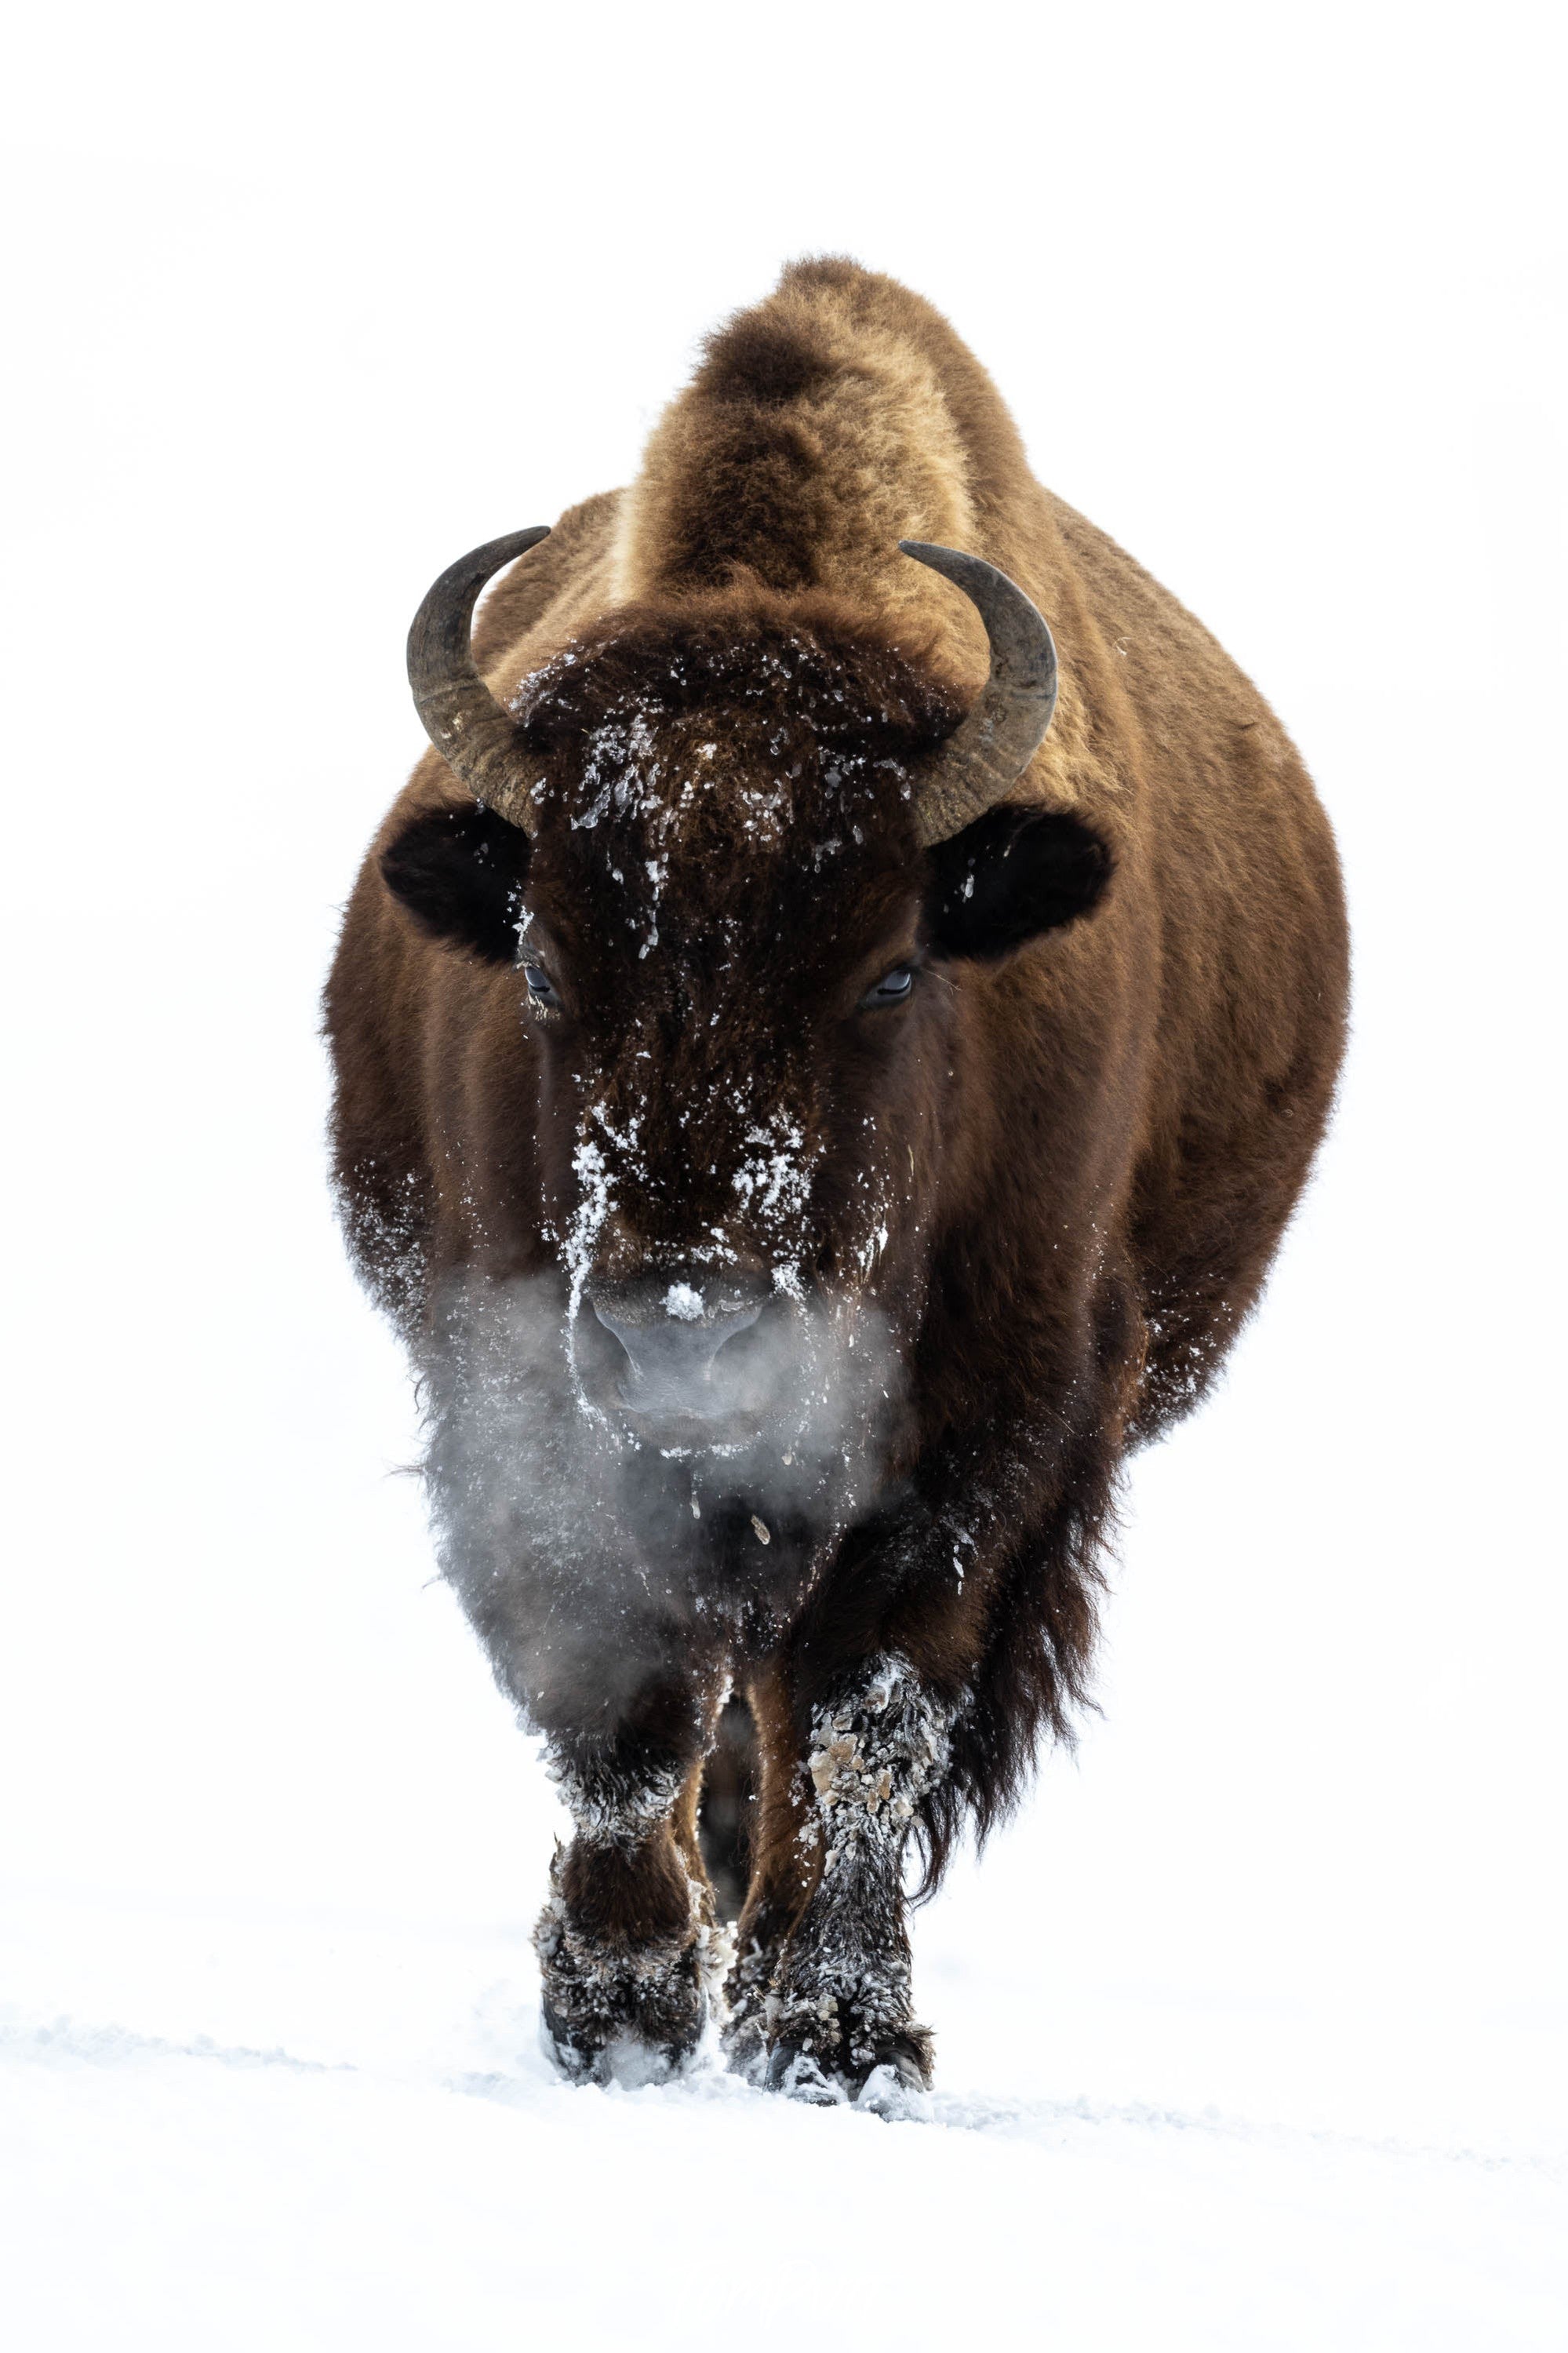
475,736
993,744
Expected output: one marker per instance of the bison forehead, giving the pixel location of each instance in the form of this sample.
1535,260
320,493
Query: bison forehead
745,734
658,789
693,853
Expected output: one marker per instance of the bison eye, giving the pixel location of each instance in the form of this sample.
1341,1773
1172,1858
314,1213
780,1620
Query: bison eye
541,988
893,986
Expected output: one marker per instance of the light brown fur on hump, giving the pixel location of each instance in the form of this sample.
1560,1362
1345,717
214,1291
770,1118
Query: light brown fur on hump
816,434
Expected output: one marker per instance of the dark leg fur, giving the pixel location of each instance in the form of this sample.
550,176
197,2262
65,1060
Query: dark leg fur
629,1952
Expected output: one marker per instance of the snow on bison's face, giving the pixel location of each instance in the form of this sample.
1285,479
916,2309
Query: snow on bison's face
737,967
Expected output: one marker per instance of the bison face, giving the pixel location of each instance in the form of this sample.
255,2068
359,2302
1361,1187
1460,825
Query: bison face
744,985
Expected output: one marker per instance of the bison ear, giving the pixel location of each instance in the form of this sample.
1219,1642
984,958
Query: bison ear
1011,875
458,873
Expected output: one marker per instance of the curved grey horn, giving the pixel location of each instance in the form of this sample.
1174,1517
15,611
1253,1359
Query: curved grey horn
993,743
462,718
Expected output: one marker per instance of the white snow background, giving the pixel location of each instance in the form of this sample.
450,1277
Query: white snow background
1250,2030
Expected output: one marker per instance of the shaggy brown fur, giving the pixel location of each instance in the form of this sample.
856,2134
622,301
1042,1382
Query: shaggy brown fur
1053,1175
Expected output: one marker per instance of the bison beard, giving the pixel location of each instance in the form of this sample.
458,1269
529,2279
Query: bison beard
808,1123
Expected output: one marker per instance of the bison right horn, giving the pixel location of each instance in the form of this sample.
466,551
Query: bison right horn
474,735
994,742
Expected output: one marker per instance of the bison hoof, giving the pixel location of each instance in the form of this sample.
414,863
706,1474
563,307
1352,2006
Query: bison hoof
621,2056
800,2075
893,2081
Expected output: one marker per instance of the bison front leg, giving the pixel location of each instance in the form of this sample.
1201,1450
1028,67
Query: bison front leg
629,1951
839,2011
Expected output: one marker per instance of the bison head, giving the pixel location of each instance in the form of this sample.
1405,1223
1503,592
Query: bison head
740,853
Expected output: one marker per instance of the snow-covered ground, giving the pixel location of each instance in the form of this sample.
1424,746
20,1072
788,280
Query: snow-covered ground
255,2133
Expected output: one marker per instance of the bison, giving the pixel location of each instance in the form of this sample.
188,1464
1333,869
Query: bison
809,1123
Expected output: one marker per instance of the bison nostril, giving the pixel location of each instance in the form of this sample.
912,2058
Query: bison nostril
674,1327
671,1353
734,1328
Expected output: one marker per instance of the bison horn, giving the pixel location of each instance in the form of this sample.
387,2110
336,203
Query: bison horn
993,744
474,735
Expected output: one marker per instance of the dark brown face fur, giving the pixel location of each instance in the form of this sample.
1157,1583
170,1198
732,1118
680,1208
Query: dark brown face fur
723,874
734,966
